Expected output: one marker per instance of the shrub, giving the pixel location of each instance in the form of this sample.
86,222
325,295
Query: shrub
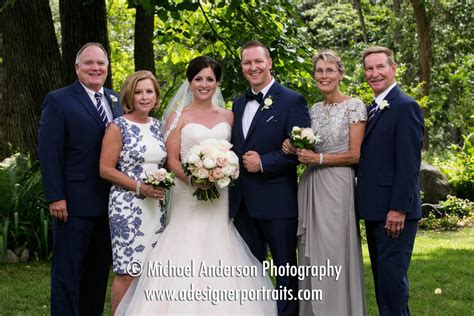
456,206
452,214
458,166
24,219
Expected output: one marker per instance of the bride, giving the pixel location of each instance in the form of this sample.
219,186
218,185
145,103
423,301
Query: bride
200,264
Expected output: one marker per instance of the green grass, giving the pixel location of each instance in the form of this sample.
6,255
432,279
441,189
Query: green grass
440,260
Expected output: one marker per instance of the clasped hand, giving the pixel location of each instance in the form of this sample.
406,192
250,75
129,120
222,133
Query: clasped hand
251,161
305,156
152,192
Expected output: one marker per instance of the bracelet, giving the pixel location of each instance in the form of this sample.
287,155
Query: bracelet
190,178
320,158
137,188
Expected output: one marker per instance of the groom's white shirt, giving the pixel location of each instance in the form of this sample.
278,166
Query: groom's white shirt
251,108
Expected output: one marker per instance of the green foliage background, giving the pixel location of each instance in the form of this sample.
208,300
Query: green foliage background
294,31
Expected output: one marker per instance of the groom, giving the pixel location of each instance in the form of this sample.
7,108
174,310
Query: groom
388,189
263,203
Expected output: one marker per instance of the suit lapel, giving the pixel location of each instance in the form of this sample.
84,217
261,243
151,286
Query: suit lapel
86,102
273,92
114,107
390,96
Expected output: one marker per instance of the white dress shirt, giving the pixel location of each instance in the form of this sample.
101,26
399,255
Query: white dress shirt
381,97
251,108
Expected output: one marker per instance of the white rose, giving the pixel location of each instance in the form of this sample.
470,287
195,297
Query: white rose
307,133
193,158
236,173
223,182
225,145
198,164
232,158
209,163
296,129
202,173
159,176
228,171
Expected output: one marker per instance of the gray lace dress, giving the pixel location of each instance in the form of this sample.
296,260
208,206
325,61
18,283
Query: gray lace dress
136,221
328,233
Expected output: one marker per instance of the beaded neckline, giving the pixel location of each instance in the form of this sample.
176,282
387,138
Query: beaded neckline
324,104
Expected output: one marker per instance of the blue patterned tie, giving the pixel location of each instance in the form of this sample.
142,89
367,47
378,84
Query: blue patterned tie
100,108
371,110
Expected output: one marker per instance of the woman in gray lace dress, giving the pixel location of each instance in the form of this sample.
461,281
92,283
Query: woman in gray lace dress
327,226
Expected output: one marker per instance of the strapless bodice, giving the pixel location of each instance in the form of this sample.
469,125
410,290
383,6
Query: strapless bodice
194,133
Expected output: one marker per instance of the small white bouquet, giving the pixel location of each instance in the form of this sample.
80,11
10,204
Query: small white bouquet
213,164
160,178
303,137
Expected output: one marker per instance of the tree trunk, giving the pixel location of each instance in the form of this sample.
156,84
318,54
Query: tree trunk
397,36
82,21
32,64
358,7
143,51
423,30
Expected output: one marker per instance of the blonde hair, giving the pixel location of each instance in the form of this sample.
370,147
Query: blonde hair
129,86
328,55
376,50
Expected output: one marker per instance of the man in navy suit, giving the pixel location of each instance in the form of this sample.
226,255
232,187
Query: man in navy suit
388,189
263,203
72,126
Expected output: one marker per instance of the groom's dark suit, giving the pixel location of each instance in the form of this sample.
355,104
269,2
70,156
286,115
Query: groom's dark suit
388,180
70,139
263,204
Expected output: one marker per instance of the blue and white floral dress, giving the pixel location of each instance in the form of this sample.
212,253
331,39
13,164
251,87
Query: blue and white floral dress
136,221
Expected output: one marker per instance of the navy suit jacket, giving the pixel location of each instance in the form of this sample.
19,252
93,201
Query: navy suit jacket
70,140
388,172
270,194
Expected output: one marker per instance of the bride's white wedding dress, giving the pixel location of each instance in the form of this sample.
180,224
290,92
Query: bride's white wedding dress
199,237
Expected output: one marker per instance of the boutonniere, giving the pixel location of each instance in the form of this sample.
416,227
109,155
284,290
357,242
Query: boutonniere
384,105
267,103
114,99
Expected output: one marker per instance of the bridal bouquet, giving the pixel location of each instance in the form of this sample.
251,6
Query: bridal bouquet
213,164
160,179
303,138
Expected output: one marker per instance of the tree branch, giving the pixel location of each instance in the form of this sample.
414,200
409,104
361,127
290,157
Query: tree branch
215,32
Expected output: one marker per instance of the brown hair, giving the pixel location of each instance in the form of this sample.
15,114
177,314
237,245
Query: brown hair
328,55
379,49
255,43
129,86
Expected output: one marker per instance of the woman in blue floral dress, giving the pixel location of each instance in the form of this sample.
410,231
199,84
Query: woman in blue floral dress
132,146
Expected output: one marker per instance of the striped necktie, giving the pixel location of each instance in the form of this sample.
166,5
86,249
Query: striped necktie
100,108
371,110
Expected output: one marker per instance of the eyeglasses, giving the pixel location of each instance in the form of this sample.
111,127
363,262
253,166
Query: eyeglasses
327,71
